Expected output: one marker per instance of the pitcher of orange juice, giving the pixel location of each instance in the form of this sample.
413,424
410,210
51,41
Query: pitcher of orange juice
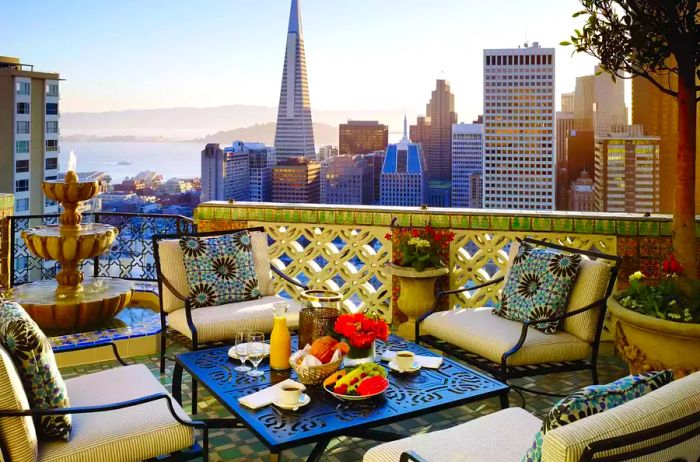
280,340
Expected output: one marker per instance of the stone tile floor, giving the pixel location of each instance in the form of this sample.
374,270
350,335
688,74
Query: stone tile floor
241,445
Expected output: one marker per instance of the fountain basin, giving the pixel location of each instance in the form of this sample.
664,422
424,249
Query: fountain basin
85,241
70,192
97,300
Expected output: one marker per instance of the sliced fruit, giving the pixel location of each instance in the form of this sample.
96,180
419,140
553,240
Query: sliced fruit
372,385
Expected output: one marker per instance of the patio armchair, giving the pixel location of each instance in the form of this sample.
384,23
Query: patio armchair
663,425
121,414
511,349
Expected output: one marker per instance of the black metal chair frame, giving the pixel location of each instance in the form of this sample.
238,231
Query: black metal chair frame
162,281
687,427
179,456
503,371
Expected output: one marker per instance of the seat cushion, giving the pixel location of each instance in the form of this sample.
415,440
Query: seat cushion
17,434
220,269
595,399
591,284
31,352
676,400
538,286
130,434
218,323
501,436
476,330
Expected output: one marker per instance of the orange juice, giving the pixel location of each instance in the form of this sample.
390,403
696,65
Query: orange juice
280,340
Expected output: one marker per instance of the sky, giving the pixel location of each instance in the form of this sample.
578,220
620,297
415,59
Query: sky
361,54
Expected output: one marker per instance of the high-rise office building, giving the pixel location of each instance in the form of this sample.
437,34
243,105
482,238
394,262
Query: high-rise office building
213,173
582,194
362,137
420,132
294,135
579,157
347,180
296,180
658,113
241,172
440,110
476,190
567,101
599,102
565,123
326,152
262,159
627,175
28,134
237,176
403,181
519,136
376,159
467,160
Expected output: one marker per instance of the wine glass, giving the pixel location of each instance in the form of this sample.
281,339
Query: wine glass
241,349
256,352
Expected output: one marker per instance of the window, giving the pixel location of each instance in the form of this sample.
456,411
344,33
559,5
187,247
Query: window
21,185
52,163
23,88
22,127
49,203
52,126
52,89
51,108
22,166
51,145
21,205
22,108
22,147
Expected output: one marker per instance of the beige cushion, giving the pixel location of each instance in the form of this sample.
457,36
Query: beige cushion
591,284
480,332
673,401
501,436
172,266
130,434
217,323
17,434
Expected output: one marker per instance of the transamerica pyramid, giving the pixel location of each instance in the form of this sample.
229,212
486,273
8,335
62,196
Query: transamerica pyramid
294,135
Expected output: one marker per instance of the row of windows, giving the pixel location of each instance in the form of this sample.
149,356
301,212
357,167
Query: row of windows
25,88
22,166
518,60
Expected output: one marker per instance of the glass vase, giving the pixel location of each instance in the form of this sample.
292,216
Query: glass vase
359,355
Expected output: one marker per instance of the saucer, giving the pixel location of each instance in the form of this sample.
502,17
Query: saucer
303,401
233,355
395,367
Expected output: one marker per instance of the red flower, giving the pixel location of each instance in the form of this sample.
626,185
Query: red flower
387,236
415,232
672,266
361,330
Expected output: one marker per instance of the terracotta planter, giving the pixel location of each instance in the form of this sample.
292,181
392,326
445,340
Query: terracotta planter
648,343
417,295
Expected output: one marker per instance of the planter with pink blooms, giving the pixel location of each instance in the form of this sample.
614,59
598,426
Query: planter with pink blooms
657,323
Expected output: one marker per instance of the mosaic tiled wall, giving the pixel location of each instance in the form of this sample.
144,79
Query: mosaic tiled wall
307,238
7,204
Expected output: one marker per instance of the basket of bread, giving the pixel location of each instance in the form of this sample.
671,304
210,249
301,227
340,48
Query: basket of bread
315,362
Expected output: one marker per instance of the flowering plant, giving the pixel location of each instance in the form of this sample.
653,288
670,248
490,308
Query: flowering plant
361,330
420,248
674,297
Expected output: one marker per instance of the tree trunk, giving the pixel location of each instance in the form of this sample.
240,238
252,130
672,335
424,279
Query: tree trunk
684,242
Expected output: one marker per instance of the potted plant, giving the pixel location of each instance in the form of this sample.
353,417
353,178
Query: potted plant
657,323
418,260
360,331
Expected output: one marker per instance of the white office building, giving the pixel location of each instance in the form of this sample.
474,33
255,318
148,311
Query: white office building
467,160
519,128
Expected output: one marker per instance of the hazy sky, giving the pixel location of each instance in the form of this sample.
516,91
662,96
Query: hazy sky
361,54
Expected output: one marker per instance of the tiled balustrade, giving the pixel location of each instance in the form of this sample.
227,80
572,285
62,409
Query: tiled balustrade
343,247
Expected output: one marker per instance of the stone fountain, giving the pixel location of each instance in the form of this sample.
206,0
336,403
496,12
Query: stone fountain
71,301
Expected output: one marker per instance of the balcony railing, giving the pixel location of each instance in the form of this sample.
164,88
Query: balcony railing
131,255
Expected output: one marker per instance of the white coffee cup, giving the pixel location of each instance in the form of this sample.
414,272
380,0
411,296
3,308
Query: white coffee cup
405,359
290,394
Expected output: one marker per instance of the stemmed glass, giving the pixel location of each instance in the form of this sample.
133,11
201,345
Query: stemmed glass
256,352
241,349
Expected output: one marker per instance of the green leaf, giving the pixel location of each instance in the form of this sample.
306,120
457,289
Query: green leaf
565,43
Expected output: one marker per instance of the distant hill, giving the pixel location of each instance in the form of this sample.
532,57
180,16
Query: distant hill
265,133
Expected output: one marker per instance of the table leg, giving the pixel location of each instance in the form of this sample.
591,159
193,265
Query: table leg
177,383
194,396
275,456
503,397
318,450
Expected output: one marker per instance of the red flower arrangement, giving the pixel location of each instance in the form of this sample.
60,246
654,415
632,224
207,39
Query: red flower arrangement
671,266
420,248
361,330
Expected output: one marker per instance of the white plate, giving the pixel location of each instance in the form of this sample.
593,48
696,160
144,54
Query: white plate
232,352
395,367
303,401
355,397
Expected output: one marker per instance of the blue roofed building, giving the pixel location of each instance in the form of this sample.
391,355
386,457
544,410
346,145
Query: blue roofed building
403,181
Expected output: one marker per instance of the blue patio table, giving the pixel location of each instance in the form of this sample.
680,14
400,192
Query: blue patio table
408,395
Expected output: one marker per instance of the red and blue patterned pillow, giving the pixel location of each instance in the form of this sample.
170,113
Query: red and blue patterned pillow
220,269
538,286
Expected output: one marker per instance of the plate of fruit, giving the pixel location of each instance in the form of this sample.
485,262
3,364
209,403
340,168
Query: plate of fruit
359,383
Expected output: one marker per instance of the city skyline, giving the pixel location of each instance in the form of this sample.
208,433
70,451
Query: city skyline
101,47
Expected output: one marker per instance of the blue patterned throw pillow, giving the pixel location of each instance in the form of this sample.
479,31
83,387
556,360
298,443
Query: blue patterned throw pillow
220,269
595,399
31,352
538,286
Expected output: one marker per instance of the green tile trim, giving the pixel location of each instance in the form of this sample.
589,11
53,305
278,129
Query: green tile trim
440,221
520,224
500,223
627,228
583,226
419,219
345,217
604,226
649,228
459,221
382,219
541,224
326,216
480,222
363,218
697,229
309,216
290,216
666,228
222,213
562,224
205,213
239,213
403,219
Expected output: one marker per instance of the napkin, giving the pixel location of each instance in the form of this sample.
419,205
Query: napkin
265,397
431,362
